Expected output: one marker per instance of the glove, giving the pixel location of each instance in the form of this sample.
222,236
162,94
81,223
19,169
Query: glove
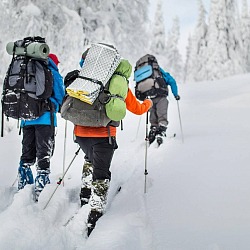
177,97
151,102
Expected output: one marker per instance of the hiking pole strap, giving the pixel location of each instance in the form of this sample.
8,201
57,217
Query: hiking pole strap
60,180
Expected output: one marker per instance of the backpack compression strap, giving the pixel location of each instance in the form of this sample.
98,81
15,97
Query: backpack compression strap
91,80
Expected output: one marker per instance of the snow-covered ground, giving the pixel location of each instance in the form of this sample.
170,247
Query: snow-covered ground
197,192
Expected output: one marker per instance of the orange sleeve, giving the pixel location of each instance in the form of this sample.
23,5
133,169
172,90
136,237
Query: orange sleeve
135,106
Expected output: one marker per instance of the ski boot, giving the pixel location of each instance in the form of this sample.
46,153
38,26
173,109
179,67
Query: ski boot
152,134
161,132
93,217
25,175
159,140
85,192
41,180
97,202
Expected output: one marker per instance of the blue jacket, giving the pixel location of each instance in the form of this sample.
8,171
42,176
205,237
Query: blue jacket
170,81
56,98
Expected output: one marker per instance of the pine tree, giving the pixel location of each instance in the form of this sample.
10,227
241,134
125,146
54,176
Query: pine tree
158,38
195,67
224,51
174,64
188,67
245,34
71,26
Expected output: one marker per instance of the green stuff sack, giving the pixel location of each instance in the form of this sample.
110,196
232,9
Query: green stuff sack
118,88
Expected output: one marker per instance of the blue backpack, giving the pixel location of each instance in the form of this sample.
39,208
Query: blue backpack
149,80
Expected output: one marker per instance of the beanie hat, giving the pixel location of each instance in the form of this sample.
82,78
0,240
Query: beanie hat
54,58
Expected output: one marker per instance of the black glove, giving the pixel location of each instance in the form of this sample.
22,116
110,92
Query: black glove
177,97
70,77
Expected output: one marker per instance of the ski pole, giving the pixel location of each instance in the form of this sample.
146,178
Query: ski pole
137,131
180,121
2,121
64,147
60,179
14,182
146,155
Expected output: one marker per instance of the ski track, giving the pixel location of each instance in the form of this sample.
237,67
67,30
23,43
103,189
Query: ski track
171,214
6,197
25,213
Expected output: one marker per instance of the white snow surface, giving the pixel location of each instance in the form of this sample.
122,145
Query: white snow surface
197,190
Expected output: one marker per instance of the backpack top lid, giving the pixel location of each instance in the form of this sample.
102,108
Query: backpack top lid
147,59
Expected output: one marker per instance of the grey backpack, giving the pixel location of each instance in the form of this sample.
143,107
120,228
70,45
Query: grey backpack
148,78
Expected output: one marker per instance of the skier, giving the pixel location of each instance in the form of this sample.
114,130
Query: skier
99,144
39,137
154,86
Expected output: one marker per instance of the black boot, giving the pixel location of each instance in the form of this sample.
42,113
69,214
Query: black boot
159,140
152,134
97,202
94,216
160,133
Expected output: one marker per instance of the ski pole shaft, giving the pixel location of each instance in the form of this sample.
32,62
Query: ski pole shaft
14,182
138,127
2,121
182,137
146,155
64,147
60,180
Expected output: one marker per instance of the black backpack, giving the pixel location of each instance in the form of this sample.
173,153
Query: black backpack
149,80
29,82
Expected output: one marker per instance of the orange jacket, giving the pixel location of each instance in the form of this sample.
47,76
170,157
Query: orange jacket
132,104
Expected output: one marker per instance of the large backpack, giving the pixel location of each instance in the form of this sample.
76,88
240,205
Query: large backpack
109,106
28,83
149,79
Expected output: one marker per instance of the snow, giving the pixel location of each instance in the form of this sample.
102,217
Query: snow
197,192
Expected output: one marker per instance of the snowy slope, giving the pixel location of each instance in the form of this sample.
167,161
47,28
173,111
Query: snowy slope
197,192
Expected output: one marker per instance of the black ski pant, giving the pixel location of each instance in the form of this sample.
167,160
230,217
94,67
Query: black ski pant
99,152
38,142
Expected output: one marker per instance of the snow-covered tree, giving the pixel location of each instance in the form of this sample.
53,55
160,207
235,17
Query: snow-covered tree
195,68
245,33
188,67
71,26
158,34
174,63
224,52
